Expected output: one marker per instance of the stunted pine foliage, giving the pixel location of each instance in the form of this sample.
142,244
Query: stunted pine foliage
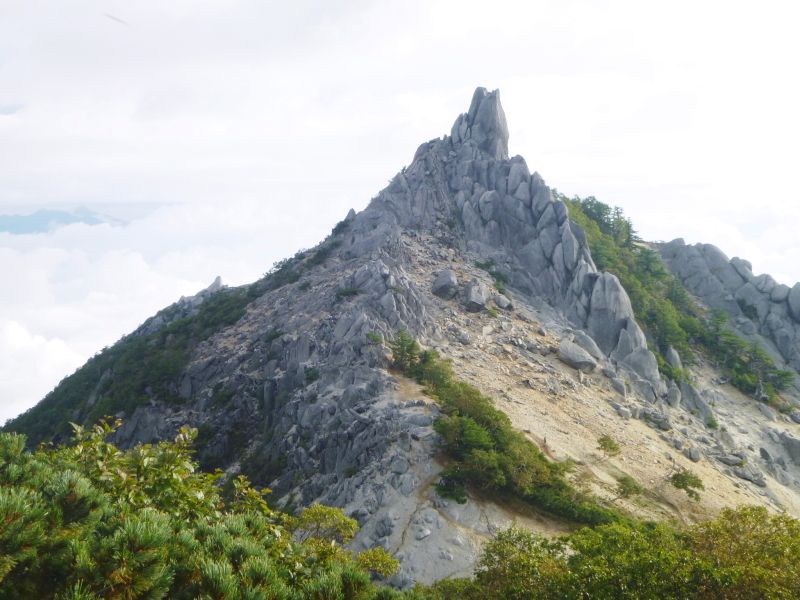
87,521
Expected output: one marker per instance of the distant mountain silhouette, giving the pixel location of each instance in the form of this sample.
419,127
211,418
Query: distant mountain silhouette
45,220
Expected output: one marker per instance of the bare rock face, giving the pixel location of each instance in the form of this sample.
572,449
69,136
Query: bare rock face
609,314
477,295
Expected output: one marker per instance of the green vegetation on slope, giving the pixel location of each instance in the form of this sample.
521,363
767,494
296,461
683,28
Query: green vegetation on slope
483,448
88,522
134,369
140,367
665,310
746,553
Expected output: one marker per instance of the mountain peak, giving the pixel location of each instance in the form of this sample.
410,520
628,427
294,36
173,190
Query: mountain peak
485,124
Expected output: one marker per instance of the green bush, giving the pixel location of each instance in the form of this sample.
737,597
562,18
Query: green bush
340,227
89,521
312,375
689,482
499,277
627,487
348,292
321,255
374,338
745,553
608,446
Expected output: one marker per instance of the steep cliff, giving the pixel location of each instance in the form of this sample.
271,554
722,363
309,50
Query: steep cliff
287,379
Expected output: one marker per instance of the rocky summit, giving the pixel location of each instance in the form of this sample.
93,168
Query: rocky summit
288,380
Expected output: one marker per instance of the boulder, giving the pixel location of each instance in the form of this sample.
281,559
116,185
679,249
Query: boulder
609,372
743,268
644,363
488,126
765,284
588,344
693,454
609,311
673,396
215,286
673,358
501,301
477,295
766,411
750,473
446,285
723,270
518,176
670,249
619,386
780,293
576,357
794,302
645,389
792,446
694,401
662,421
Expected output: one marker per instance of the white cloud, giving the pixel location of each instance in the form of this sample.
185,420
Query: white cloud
31,365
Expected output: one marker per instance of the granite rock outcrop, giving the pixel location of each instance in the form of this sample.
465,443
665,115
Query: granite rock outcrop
759,308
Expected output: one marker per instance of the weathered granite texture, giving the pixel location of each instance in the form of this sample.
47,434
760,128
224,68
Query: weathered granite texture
758,306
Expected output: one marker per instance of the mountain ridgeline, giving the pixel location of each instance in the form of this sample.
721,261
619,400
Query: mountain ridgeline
542,323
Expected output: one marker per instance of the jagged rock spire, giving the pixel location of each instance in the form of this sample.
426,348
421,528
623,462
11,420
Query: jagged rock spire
498,210
485,123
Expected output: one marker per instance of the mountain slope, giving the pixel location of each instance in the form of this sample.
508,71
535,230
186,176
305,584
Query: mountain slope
287,380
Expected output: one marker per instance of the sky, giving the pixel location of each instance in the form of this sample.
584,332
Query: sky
196,138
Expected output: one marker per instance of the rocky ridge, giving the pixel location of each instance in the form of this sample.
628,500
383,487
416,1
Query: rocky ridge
298,395
760,308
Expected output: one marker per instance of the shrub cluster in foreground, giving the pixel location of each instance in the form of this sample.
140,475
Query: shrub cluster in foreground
88,522
744,554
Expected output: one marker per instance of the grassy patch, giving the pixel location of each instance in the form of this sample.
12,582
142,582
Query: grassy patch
348,292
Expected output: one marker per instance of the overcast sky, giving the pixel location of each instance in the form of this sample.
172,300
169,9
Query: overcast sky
227,134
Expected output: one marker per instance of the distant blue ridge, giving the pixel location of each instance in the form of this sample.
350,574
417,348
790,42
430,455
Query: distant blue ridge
44,220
